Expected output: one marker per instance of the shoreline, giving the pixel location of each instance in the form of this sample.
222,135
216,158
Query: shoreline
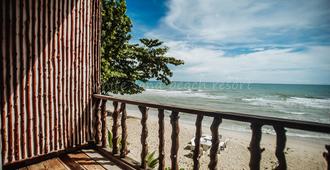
301,152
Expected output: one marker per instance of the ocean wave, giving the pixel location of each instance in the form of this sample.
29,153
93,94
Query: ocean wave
184,93
311,102
291,101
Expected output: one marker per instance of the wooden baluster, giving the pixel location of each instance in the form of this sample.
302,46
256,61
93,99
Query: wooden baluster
215,142
97,122
144,136
326,156
280,145
161,139
175,140
115,126
254,147
103,119
123,150
197,140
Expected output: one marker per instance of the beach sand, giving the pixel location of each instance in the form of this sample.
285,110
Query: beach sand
301,153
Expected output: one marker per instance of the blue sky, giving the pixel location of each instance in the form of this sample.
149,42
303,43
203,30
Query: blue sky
280,41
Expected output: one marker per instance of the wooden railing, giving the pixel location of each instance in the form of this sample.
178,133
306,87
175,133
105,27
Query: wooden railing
256,122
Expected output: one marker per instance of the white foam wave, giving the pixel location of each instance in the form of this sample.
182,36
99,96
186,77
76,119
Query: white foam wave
184,93
292,101
310,102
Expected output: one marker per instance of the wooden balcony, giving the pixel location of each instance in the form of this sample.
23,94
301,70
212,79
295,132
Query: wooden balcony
116,157
51,108
120,115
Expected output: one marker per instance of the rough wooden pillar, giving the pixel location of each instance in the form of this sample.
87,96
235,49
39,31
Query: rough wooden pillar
198,135
175,140
123,149
326,155
215,143
254,148
280,146
97,122
103,120
144,136
161,139
115,126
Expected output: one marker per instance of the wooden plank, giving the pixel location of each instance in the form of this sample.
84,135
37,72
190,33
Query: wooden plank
103,161
85,161
70,163
40,158
38,166
54,163
124,163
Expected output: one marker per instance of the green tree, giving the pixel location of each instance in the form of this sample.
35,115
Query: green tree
124,63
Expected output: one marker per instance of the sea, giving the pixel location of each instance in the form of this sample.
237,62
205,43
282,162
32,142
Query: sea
289,101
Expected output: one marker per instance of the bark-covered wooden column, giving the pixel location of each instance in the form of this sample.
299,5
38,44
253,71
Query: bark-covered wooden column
280,146
254,147
326,155
115,126
215,143
175,140
198,135
144,135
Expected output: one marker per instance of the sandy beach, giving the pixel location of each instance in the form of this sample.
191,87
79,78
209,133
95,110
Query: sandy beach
301,153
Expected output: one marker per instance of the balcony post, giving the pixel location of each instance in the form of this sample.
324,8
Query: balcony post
115,126
254,147
198,135
103,119
161,139
97,121
326,156
123,150
175,140
144,135
280,146
215,143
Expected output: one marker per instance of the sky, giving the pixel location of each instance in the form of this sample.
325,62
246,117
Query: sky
251,41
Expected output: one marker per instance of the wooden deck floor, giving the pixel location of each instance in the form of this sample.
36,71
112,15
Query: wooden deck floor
84,159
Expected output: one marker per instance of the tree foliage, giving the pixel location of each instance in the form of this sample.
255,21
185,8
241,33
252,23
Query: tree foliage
124,63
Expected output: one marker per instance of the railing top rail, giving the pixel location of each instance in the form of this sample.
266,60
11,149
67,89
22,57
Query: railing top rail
264,120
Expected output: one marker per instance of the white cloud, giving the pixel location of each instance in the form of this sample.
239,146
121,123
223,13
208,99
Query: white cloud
269,66
191,25
239,20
